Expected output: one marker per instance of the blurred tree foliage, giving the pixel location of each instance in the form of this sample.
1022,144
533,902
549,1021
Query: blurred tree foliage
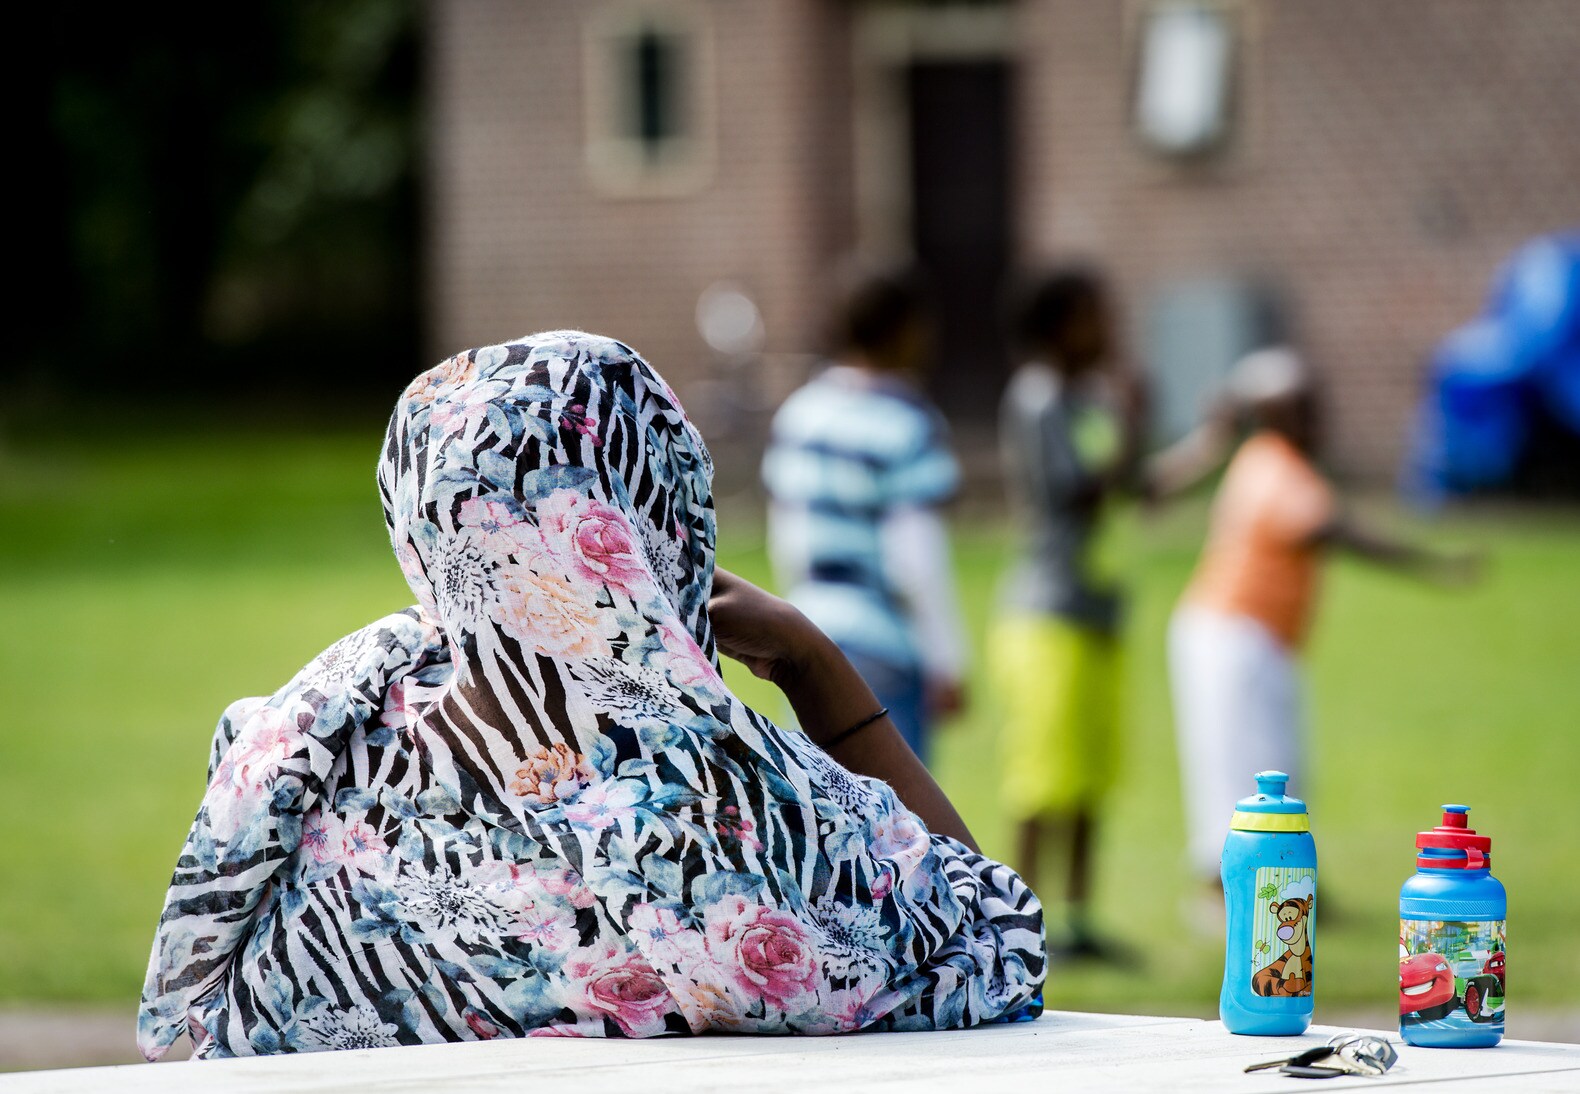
216,199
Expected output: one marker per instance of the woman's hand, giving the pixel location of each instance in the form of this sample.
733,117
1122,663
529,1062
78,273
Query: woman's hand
768,635
773,639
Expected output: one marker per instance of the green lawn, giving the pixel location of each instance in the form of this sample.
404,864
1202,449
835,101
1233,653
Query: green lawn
147,581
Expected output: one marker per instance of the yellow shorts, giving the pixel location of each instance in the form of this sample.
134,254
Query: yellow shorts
1059,688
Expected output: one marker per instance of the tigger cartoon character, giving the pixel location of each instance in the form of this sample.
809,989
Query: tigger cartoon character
1290,972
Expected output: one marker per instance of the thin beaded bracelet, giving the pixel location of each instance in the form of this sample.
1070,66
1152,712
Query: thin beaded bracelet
841,738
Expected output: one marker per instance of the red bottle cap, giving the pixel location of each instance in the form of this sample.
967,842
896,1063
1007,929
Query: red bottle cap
1454,834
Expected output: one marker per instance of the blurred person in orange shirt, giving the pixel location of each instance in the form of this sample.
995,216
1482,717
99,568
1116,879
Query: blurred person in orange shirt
1234,639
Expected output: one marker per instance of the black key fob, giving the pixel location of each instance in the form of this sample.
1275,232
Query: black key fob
1313,1071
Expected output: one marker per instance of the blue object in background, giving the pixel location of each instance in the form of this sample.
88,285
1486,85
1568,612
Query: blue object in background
1452,940
1480,391
1489,378
1269,871
1537,293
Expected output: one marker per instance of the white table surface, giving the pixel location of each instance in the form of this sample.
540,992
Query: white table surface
1063,1051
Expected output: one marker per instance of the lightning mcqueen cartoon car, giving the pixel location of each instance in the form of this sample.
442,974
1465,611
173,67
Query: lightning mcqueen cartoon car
1428,989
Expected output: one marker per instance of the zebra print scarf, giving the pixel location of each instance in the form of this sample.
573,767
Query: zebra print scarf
530,804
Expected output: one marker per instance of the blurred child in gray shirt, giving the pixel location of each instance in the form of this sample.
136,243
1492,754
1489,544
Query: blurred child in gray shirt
1069,431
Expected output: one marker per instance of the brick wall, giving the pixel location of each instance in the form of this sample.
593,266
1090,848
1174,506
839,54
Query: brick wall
1391,152
520,239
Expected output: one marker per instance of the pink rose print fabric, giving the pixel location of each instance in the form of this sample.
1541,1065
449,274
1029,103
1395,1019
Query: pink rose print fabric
530,805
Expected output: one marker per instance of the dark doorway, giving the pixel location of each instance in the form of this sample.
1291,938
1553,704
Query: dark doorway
960,189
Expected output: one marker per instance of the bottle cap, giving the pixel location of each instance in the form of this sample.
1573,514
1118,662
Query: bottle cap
1270,809
1453,845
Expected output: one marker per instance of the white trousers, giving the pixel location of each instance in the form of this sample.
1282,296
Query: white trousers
1236,711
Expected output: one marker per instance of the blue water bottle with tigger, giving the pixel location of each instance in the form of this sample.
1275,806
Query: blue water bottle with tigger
1452,940
1269,870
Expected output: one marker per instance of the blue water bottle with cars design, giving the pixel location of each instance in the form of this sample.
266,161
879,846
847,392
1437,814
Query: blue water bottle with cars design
1451,939
1269,871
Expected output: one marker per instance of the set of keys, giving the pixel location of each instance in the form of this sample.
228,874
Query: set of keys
1346,1054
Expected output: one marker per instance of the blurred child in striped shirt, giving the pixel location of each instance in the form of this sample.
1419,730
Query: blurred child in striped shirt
858,469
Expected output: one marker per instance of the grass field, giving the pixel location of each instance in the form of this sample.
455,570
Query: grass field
147,580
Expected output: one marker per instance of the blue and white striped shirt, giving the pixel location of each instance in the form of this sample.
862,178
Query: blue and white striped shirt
849,452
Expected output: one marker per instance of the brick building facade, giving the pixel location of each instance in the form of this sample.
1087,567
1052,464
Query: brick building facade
600,164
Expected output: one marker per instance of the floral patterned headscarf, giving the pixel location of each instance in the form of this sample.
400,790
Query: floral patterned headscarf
551,506
531,804
563,456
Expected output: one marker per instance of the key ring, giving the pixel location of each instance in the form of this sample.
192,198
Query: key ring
1344,1054
1366,1053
